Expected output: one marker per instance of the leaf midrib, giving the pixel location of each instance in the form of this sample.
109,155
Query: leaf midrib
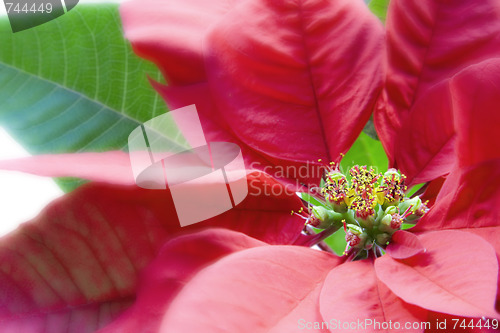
81,95
22,71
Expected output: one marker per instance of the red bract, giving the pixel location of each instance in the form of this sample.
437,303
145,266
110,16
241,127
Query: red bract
427,276
290,82
76,266
427,43
469,198
447,271
289,288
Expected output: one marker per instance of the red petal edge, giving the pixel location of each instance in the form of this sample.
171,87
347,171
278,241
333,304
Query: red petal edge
404,245
457,275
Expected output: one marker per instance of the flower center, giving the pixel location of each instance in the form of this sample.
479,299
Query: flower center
369,206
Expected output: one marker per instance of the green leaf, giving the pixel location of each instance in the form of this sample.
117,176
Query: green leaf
310,199
74,84
414,189
365,151
337,242
379,8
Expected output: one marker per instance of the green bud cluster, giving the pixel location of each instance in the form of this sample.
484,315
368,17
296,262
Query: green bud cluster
370,206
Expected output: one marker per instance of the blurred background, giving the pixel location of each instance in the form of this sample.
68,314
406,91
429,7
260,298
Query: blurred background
23,196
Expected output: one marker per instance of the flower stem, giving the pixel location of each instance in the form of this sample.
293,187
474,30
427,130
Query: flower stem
322,245
315,239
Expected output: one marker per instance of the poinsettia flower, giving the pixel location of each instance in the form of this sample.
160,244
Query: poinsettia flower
421,171
246,80
246,285
429,276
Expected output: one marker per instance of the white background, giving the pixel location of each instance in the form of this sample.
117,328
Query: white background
22,196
